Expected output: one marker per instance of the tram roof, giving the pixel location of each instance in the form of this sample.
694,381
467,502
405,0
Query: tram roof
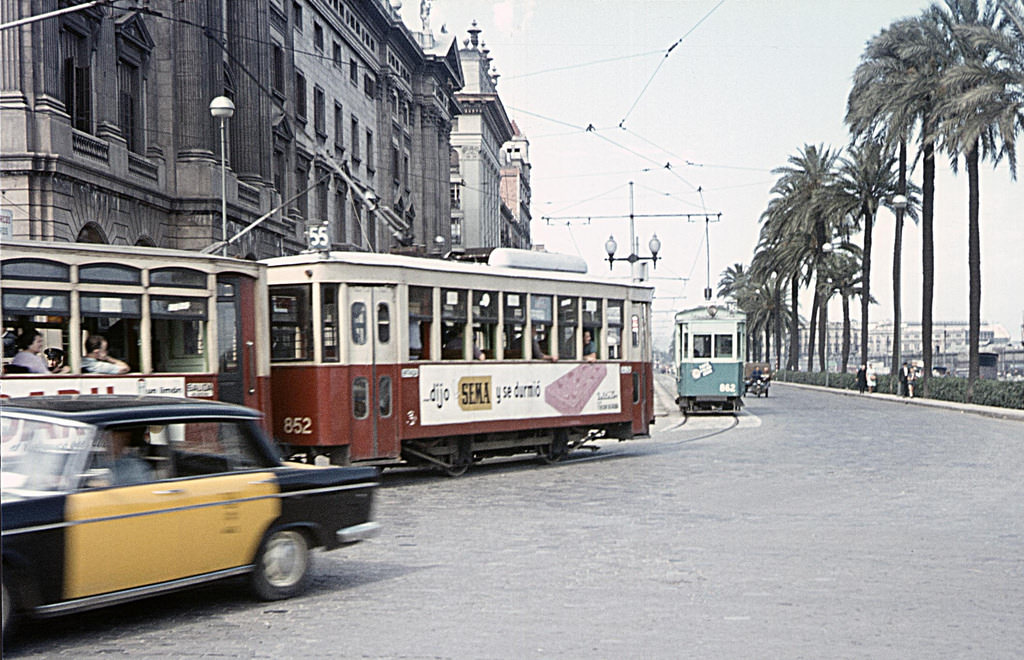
425,264
713,311
59,250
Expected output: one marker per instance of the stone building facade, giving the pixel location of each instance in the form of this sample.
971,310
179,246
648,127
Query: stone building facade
342,117
478,136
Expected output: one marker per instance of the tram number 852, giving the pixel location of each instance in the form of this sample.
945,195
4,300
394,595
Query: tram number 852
298,425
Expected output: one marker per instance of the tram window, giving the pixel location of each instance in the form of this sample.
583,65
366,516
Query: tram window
227,327
383,323
35,270
541,319
485,323
568,319
384,396
179,333
360,396
723,346
358,323
46,314
109,274
183,277
291,325
592,324
515,323
615,329
421,314
329,322
116,318
453,318
634,329
701,346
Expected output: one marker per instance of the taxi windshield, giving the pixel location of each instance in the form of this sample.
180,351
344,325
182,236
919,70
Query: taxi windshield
40,455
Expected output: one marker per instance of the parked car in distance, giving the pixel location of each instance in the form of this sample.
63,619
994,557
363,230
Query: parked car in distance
112,498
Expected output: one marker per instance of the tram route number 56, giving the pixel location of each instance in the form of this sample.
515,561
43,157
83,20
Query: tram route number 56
298,425
317,237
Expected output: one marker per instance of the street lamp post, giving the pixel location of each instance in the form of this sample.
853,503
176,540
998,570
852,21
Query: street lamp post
222,108
610,245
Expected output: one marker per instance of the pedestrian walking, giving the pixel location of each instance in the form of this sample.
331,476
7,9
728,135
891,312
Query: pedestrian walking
904,379
862,378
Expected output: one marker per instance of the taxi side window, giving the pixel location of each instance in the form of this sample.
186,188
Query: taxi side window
203,448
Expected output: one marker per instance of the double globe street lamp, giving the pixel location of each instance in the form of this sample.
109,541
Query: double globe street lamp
610,246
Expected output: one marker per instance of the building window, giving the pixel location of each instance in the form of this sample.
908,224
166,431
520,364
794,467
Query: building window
369,84
355,139
300,96
318,36
130,105
353,71
297,16
301,183
321,195
339,129
319,112
338,61
279,170
77,80
278,64
370,164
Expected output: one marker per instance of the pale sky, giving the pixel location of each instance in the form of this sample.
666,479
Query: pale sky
749,84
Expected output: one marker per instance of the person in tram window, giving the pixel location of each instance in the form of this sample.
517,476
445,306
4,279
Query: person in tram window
589,347
538,351
29,358
98,361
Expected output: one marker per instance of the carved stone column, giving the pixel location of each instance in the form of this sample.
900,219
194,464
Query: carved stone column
193,82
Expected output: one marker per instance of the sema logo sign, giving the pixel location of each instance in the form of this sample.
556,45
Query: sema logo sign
475,393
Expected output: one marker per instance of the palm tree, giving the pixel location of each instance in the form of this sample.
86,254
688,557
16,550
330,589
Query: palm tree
980,114
866,178
802,195
843,272
896,88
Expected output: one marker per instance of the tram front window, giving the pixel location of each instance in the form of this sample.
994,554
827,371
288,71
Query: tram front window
291,325
515,325
701,346
453,328
485,324
723,346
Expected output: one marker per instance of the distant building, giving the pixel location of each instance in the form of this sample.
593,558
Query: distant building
516,191
477,138
342,118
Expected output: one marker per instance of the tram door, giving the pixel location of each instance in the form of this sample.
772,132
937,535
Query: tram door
373,356
236,329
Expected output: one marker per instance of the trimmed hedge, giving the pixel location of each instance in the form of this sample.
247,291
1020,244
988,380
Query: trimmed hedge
1002,394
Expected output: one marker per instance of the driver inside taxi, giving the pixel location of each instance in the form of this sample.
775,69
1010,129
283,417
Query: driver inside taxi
126,465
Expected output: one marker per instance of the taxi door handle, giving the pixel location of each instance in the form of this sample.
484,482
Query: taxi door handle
173,491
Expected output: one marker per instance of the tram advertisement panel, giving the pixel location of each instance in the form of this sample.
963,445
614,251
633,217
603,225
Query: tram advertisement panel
480,392
140,385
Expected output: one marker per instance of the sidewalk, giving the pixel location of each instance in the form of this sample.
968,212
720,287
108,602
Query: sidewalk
974,409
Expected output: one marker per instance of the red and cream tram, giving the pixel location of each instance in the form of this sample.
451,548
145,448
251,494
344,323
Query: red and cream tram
186,324
391,359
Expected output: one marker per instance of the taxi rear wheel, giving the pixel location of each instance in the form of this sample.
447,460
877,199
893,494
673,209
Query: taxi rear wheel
282,565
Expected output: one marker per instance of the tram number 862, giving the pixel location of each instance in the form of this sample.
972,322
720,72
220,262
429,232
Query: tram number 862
298,425
729,388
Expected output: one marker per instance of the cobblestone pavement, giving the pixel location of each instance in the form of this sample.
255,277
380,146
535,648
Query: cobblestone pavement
811,526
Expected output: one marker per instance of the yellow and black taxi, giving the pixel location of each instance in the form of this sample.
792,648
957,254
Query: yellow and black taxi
112,498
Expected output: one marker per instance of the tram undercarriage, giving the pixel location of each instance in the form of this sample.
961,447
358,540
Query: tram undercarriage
692,405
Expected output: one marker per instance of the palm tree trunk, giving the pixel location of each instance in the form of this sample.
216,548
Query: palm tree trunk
793,360
974,269
897,250
869,222
812,328
823,332
927,259
778,328
846,332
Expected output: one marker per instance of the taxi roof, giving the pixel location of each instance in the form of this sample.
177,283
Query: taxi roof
108,409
